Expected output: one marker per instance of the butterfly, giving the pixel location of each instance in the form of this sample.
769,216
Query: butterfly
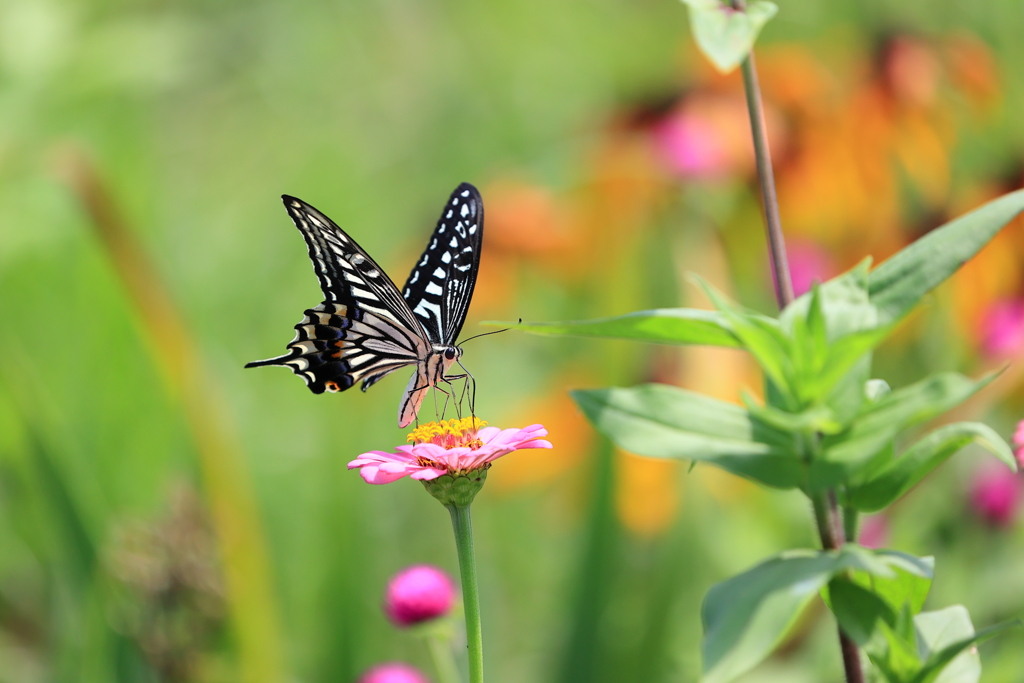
366,327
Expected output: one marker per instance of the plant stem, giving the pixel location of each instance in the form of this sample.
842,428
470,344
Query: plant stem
826,511
773,224
462,524
444,663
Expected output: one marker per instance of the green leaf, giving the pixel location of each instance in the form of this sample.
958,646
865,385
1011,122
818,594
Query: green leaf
815,419
875,596
835,371
660,421
845,304
726,35
900,475
761,336
746,616
893,649
845,455
857,609
909,585
899,283
944,637
660,326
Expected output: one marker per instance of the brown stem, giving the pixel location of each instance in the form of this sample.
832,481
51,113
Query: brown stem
830,529
759,132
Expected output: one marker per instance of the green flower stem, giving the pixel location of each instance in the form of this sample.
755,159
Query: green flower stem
462,524
444,661
851,520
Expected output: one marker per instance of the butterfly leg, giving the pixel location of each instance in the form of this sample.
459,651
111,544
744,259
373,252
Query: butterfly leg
469,378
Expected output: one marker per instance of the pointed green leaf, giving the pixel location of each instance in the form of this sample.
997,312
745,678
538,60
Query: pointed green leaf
857,609
880,422
908,586
726,35
893,649
944,638
900,475
659,326
660,421
899,283
748,615
761,336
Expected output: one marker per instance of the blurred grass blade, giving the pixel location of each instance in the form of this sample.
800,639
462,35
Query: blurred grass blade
889,484
226,481
660,326
899,283
661,421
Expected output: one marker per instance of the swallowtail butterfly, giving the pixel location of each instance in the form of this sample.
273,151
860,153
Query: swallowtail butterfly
366,328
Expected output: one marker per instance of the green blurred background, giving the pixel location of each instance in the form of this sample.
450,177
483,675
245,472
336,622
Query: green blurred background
167,516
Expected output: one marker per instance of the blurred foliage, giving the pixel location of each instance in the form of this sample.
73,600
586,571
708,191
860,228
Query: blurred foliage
612,160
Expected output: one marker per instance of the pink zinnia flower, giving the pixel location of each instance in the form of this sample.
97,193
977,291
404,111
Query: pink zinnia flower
1002,328
995,495
452,447
418,593
874,533
393,672
692,146
1018,441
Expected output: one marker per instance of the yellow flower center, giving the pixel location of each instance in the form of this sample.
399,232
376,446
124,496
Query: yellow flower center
449,434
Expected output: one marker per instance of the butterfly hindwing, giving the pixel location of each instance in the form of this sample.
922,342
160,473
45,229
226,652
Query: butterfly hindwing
441,283
363,330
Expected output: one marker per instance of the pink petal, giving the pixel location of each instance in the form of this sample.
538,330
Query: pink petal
487,433
427,474
374,475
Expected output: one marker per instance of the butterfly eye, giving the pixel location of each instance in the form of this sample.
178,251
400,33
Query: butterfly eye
449,353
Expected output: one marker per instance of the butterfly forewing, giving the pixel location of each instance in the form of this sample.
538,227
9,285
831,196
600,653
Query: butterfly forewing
441,283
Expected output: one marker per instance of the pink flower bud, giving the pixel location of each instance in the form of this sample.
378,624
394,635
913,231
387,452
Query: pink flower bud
418,593
874,532
393,672
808,263
995,495
1002,328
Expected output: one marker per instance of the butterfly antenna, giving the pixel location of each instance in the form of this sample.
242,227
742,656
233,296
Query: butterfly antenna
477,336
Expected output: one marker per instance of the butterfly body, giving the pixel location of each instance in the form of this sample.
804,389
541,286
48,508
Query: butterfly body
366,328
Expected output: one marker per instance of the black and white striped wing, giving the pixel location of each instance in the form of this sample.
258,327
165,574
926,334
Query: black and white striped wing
364,329
440,286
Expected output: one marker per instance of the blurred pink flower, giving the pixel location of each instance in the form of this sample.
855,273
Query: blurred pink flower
1002,328
691,146
393,672
447,447
995,495
1018,441
874,533
808,263
418,593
